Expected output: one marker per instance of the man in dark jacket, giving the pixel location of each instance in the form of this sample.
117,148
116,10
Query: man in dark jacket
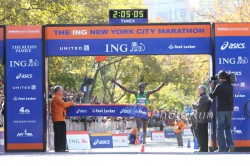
202,106
224,93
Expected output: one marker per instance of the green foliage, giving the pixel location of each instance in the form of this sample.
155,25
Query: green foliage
223,11
184,73
41,12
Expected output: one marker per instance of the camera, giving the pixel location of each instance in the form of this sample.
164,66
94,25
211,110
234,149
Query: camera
230,77
214,79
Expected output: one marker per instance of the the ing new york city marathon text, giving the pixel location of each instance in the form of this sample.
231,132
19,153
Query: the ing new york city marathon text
83,32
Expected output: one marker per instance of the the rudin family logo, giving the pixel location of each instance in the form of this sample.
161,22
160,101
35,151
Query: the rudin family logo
25,133
23,76
29,87
23,111
227,45
25,63
240,60
134,47
101,142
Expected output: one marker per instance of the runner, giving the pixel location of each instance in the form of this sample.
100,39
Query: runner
142,98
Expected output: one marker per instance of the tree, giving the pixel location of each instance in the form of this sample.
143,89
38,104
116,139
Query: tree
129,70
223,11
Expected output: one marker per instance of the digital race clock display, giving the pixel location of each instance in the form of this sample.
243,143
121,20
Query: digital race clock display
128,13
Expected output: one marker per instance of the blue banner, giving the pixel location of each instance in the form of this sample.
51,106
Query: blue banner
128,46
232,55
108,110
24,85
101,141
128,40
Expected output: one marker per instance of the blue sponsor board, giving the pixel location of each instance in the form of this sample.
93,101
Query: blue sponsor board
145,46
101,142
24,86
232,55
108,110
169,133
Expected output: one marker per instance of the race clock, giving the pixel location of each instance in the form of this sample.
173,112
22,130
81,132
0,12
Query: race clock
121,16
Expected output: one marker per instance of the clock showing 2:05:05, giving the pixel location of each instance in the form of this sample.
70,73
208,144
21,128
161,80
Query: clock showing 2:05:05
140,13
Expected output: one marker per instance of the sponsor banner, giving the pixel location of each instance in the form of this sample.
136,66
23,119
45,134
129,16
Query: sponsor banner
232,55
158,136
1,42
78,140
108,110
120,140
101,141
128,46
127,40
169,133
24,84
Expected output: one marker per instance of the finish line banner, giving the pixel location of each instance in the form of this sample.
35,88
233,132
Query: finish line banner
108,110
128,40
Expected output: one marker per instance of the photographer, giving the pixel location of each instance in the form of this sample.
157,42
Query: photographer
224,93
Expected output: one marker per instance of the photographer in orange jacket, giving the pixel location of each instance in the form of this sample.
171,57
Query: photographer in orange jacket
178,130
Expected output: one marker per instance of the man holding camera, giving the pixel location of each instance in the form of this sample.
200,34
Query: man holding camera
224,93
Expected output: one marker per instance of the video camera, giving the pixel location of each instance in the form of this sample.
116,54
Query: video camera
230,77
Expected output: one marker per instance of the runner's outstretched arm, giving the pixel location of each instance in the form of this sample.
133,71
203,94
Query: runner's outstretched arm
123,88
158,88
